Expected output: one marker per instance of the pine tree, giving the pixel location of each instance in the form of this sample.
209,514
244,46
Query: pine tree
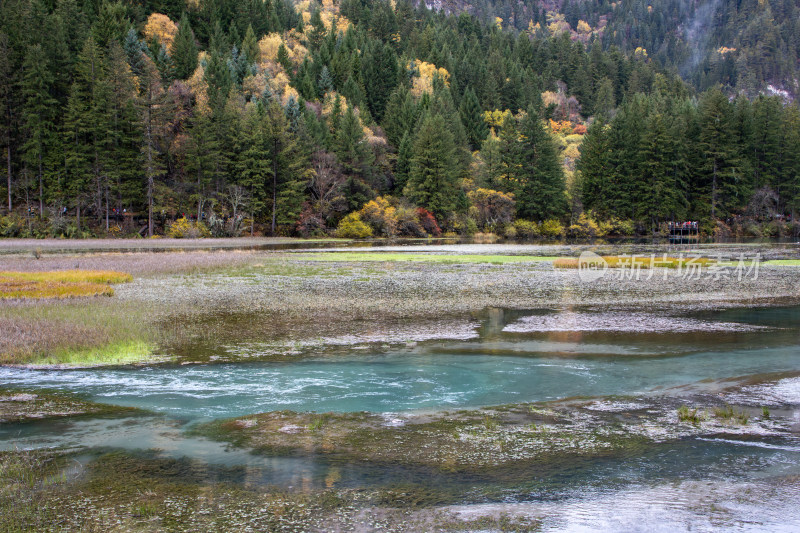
253,164
380,72
433,176
111,25
38,114
540,178
291,172
250,49
317,32
325,81
403,166
153,111
219,80
594,167
283,59
400,115
491,172
202,159
654,185
184,50
84,127
122,153
721,176
351,147
472,119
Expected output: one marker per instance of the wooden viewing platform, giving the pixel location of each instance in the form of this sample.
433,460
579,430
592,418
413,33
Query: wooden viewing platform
684,229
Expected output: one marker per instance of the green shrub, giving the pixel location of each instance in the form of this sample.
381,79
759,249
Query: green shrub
12,226
551,228
467,226
352,227
526,229
511,232
584,228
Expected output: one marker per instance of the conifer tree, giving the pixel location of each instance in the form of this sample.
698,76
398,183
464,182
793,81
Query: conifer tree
433,176
250,49
380,77
184,50
472,119
540,178
38,113
402,168
325,81
721,175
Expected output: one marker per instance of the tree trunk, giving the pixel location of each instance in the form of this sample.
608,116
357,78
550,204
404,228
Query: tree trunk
274,187
106,191
41,187
8,171
199,195
714,193
149,131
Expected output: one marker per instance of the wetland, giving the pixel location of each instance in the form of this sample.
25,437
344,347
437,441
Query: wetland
423,386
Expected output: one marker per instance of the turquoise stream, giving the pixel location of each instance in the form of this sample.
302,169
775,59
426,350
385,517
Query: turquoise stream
495,368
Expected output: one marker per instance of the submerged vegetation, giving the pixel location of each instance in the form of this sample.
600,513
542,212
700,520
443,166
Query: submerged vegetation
502,438
21,406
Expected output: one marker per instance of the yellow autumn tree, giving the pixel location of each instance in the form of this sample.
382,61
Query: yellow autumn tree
160,28
424,75
496,118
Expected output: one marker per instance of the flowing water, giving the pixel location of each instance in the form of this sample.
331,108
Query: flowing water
516,356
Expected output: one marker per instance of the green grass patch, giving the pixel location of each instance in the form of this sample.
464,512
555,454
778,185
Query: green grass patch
115,353
420,258
77,332
783,262
633,261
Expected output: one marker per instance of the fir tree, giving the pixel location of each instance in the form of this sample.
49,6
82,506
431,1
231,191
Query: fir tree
250,49
38,114
325,81
380,77
433,176
184,50
540,178
472,119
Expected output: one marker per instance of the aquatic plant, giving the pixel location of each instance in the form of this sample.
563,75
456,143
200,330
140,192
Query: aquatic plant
689,415
730,414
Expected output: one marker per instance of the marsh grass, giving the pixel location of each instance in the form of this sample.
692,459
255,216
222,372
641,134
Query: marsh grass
629,261
729,414
76,332
783,262
60,284
689,415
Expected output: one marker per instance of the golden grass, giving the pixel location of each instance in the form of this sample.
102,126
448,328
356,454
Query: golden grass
60,284
627,261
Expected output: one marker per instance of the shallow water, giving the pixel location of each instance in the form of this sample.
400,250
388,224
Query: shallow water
398,381
501,365
496,368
